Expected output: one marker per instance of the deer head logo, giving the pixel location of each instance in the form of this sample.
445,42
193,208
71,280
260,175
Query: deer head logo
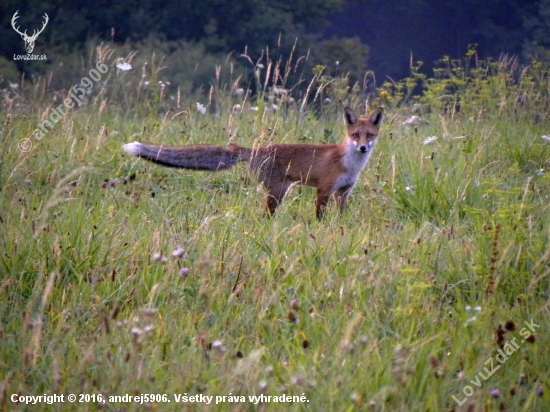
29,40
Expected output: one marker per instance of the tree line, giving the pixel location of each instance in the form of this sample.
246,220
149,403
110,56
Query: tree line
206,31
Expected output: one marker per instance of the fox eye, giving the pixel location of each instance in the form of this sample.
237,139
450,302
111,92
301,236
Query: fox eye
370,135
355,135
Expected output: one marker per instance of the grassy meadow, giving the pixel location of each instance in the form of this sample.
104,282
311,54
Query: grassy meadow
435,284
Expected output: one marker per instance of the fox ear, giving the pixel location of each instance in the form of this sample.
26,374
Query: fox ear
350,118
376,118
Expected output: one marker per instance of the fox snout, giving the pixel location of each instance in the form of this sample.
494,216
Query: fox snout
364,148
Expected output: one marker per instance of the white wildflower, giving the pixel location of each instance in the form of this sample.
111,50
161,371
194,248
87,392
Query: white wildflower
201,108
262,385
123,66
158,257
429,140
413,121
219,346
547,138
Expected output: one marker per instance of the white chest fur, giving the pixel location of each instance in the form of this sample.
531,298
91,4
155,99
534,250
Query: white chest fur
354,161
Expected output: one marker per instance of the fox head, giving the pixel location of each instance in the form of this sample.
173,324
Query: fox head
363,131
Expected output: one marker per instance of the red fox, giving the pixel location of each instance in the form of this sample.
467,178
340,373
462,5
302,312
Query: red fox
333,169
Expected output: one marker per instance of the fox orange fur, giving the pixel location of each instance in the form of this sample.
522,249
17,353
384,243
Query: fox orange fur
332,168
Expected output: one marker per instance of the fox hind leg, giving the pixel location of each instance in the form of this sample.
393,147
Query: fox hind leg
322,202
275,195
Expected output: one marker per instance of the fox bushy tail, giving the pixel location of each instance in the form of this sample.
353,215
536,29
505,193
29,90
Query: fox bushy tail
200,157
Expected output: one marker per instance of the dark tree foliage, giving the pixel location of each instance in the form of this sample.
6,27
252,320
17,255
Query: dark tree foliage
393,29
429,29
222,25
537,45
215,26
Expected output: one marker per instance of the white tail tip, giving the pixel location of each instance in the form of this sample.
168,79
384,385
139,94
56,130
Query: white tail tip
132,148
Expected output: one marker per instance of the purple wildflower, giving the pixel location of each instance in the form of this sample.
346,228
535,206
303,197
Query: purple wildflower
179,252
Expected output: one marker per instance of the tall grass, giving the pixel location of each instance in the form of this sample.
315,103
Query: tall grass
396,306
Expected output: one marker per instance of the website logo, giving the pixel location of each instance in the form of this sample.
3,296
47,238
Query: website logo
29,40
